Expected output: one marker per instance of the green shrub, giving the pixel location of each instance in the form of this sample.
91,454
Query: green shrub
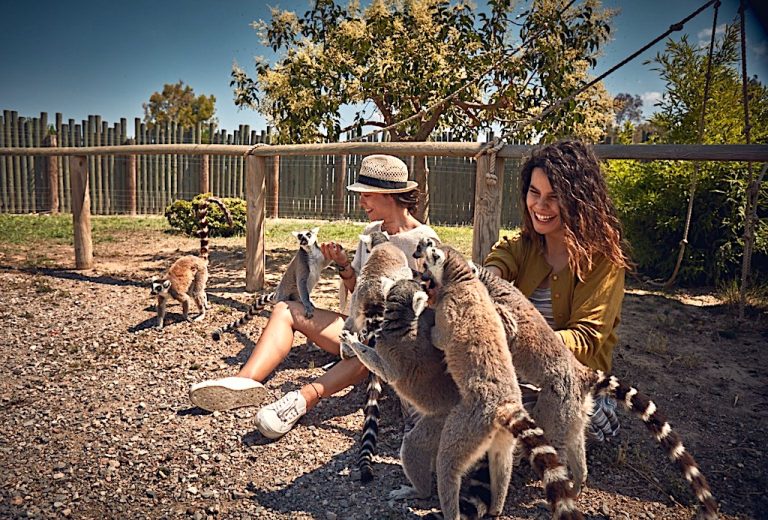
652,200
182,217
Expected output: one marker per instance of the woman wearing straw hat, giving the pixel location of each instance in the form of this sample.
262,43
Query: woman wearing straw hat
388,198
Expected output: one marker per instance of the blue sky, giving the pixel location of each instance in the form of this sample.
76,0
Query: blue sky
107,58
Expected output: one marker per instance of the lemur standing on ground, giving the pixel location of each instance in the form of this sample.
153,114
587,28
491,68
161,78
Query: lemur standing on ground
188,275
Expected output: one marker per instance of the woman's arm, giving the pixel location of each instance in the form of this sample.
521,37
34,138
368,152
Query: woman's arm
336,253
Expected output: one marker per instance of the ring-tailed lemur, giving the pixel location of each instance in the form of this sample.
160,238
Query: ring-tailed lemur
405,358
189,274
300,277
567,388
490,415
366,310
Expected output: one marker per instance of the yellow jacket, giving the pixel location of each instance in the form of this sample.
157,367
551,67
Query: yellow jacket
586,313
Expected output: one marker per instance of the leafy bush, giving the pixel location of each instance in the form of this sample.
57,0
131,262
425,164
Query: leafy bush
182,216
652,201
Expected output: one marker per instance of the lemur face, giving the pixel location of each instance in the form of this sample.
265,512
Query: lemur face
159,286
307,238
424,243
434,261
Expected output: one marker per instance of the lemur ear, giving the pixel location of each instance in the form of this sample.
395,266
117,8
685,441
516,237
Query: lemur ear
419,302
153,279
365,239
295,233
385,234
166,284
315,230
473,268
386,285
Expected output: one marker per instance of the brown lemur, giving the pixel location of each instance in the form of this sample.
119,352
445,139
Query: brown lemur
489,416
366,311
567,388
186,279
296,284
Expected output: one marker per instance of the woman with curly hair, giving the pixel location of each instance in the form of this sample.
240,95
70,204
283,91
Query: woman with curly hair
569,260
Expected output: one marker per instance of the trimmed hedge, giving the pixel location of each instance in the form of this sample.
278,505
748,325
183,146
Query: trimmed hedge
181,216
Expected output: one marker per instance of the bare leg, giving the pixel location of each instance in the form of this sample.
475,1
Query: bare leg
277,338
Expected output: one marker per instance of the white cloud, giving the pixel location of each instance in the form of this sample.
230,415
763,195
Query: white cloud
649,100
706,34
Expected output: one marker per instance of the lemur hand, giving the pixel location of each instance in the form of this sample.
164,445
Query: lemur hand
345,350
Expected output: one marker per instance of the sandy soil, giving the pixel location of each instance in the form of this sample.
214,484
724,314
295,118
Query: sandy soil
95,420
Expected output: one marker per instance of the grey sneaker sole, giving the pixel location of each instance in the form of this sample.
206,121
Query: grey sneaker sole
220,398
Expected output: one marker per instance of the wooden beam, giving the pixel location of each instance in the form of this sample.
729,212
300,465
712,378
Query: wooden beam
52,167
255,175
683,152
131,182
81,212
487,218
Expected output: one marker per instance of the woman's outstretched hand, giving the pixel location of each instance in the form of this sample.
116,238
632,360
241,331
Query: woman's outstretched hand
334,252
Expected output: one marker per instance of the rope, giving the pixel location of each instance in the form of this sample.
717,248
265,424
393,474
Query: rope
491,148
697,164
753,187
672,28
254,147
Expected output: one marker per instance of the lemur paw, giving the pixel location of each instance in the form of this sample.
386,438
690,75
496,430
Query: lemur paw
404,492
345,350
309,311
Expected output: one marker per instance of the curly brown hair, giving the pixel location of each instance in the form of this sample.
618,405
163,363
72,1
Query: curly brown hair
586,210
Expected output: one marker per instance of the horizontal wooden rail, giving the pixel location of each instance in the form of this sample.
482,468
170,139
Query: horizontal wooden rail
679,152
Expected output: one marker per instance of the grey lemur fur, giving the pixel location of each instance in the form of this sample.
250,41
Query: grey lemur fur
188,275
567,387
300,277
490,415
366,309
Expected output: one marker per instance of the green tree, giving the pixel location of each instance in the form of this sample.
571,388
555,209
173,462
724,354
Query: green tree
627,108
177,102
402,56
652,197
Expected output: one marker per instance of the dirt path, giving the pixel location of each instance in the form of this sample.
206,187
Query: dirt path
95,420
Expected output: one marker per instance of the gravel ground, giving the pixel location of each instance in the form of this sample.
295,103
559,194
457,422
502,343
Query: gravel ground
95,420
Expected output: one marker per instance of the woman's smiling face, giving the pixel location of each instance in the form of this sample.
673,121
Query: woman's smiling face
377,206
542,203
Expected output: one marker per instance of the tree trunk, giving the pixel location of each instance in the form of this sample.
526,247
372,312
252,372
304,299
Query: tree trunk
421,175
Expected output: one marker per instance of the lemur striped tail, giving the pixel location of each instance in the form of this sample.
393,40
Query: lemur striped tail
202,228
252,311
642,406
543,459
370,430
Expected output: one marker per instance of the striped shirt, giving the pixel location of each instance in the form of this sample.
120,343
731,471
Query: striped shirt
542,300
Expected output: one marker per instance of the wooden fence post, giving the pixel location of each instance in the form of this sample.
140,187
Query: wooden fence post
205,169
81,212
131,180
275,192
340,187
52,167
487,218
255,195
421,175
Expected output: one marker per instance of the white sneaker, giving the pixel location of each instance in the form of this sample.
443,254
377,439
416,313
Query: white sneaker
277,419
228,393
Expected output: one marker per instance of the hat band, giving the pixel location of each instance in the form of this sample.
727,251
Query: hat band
379,183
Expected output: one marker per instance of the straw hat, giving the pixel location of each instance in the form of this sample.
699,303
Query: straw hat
382,174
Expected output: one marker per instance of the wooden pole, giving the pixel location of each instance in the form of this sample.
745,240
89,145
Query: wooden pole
340,186
52,167
487,218
131,175
421,175
255,173
274,194
205,173
81,212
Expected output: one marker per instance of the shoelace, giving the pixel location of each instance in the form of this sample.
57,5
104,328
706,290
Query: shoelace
283,409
